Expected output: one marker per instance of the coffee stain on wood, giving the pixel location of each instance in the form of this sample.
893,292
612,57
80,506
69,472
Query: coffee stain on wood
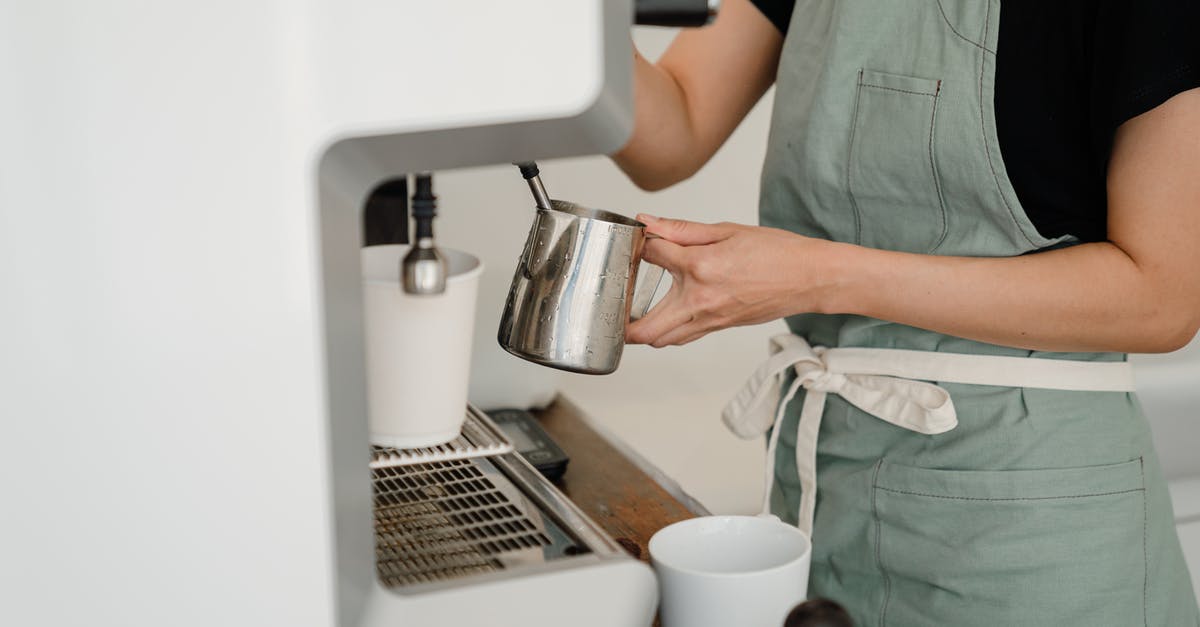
605,484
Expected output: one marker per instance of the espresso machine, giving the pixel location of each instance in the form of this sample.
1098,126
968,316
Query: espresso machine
181,328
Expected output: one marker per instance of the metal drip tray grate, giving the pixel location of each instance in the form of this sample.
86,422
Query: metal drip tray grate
447,520
479,438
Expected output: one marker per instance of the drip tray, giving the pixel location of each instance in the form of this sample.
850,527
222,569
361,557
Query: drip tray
480,437
453,522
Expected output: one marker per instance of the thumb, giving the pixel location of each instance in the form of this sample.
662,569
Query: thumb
685,233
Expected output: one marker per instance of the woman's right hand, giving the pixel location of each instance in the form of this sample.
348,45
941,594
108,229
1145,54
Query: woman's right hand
727,275
688,103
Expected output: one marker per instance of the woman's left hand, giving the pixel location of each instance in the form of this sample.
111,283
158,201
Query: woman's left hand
728,275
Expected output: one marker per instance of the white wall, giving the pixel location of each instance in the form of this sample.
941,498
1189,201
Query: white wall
1169,389
665,404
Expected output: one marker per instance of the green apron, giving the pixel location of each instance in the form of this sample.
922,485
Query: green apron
1041,507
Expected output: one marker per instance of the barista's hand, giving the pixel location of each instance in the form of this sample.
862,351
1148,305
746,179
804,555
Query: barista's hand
728,275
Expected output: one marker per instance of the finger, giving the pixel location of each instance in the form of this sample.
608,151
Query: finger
685,334
661,252
666,316
684,232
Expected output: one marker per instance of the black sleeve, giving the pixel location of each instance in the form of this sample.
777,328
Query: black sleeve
778,11
1146,51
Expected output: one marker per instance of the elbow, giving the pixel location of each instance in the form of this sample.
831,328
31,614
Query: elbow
651,184
1184,333
648,181
653,180
652,171
1167,315
1173,331
654,183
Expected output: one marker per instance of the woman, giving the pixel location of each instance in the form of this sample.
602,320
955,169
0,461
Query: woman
1001,199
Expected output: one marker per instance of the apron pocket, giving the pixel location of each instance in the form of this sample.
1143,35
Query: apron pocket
891,175
1021,547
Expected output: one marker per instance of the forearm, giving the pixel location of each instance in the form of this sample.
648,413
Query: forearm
662,147
1137,292
1091,297
688,103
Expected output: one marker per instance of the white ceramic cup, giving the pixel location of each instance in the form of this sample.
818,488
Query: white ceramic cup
725,571
418,349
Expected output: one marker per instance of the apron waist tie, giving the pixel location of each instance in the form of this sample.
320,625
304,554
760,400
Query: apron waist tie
889,384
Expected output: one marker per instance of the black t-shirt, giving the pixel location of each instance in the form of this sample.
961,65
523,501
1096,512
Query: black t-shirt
1068,73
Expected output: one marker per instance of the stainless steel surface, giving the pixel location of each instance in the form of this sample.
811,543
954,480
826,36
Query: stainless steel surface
572,290
479,438
550,500
465,522
423,269
647,286
446,520
540,198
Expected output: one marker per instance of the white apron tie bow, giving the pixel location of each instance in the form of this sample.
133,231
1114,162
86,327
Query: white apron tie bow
890,385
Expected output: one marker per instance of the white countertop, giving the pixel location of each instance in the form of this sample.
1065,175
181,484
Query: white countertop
666,405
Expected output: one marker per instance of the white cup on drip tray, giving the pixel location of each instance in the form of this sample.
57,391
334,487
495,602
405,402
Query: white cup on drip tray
418,349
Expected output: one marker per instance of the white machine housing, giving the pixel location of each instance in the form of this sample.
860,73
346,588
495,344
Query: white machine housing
181,342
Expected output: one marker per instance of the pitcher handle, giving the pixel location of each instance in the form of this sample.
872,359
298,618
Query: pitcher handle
646,288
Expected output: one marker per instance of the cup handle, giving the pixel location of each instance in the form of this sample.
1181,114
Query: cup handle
644,293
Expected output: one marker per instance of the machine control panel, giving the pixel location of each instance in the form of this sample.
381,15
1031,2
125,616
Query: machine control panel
532,442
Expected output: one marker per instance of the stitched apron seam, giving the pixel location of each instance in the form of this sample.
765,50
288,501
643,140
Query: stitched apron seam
1003,499
960,35
850,161
887,580
1145,550
937,179
987,147
903,91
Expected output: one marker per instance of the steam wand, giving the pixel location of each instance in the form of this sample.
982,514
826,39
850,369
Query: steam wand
529,170
423,269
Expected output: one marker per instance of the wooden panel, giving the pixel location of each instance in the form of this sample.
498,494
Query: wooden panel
606,485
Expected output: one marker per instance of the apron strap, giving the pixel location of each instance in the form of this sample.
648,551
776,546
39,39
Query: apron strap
889,384
748,414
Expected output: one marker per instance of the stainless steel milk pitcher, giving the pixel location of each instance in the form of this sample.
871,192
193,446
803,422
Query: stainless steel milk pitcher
573,291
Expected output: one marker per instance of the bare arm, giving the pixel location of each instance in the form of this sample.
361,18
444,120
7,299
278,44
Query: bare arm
689,103
1137,292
